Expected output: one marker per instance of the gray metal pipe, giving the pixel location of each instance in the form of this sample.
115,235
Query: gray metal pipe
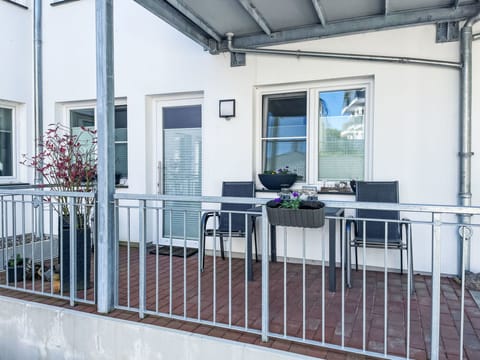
476,36
345,56
465,153
38,81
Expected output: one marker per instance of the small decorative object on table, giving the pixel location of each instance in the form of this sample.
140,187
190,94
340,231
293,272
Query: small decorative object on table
296,212
277,179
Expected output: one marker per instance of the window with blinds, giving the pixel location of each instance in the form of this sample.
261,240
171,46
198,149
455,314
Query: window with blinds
320,131
182,170
6,142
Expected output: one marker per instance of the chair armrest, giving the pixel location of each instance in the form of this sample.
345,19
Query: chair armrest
206,216
350,225
404,225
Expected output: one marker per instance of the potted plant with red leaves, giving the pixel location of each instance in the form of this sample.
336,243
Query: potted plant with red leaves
68,163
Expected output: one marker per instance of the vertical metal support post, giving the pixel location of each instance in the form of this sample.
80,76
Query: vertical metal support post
436,267
38,82
265,281
106,154
142,226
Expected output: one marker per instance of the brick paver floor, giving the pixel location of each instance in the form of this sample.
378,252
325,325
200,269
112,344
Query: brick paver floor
225,300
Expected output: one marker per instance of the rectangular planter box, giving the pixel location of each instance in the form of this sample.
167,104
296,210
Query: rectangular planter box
49,247
306,218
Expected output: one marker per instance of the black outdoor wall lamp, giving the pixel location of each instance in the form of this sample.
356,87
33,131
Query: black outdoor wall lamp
226,108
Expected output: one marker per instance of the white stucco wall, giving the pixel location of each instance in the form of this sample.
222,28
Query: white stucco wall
36,331
16,76
415,111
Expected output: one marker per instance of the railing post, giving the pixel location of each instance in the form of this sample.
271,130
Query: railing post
265,282
142,250
436,267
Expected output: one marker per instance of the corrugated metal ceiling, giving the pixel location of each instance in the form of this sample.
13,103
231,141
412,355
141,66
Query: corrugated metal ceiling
268,22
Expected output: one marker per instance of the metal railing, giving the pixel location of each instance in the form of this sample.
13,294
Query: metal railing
43,250
292,300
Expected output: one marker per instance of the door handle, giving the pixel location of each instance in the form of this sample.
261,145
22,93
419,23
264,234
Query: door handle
159,178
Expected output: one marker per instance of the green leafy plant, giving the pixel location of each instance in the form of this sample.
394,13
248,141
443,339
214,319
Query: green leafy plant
18,259
293,202
280,171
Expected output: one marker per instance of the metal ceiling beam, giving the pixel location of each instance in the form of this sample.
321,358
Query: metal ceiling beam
350,26
174,18
193,17
255,14
320,12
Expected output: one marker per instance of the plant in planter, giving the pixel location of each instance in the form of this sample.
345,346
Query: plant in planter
277,179
293,211
15,266
68,163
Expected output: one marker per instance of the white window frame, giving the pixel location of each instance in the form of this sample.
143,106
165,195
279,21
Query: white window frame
90,104
313,89
12,106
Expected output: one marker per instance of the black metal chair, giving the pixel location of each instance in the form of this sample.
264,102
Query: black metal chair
374,231
228,221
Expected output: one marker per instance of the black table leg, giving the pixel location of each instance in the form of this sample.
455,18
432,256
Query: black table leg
332,275
249,250
273,242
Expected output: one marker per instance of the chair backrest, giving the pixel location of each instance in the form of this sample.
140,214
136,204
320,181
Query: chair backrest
235,189
378,191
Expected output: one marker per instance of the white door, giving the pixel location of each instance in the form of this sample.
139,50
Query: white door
179,168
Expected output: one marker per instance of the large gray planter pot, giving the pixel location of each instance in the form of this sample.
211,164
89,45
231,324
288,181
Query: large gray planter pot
305,218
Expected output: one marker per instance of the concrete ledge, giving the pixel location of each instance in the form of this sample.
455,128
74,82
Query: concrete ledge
35,331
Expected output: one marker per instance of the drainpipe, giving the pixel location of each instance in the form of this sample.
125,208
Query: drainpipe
465,195
38,81
344,56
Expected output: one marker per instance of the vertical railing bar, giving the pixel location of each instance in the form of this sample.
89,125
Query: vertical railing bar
409,287
24,250
50,214
3,218
129,215
199,269
323,283
265,275
40,239
436,254
385,292
303,284
95,245
344,250
116,249
462,301
364,297
61,244
14,241
230,269
246,286
6,239
170,270
85,265
185,263
157,245
214,290
285,282
142,218
72,241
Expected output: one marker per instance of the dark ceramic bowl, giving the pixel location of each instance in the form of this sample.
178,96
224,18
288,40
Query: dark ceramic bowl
277,181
